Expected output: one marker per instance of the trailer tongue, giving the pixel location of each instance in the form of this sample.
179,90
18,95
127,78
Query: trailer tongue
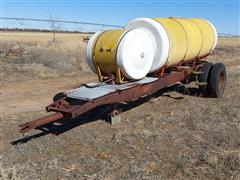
88,96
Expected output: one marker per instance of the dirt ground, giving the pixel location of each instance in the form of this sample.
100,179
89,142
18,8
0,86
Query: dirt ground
169,135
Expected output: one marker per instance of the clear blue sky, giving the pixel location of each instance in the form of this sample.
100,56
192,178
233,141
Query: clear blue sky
224,14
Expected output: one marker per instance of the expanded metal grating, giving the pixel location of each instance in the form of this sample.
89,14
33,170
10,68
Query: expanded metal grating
91,93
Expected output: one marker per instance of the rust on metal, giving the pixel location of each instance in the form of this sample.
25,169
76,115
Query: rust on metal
40,122
68,107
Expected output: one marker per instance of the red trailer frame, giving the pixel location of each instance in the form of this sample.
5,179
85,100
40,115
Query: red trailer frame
71,108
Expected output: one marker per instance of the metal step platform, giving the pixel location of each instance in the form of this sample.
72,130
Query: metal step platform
91,91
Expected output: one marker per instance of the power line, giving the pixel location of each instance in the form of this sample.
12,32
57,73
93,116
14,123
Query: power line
60,21
52,23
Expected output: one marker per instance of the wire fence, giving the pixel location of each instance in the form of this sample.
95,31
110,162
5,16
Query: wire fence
12,23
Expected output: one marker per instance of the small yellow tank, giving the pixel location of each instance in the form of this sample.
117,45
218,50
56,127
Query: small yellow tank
104,52
125,53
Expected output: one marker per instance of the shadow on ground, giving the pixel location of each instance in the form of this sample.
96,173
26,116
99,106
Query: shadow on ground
98,113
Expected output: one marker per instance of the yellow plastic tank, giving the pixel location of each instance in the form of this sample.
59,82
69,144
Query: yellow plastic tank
105,50
148,44
209,36
194,38
125,51
177,40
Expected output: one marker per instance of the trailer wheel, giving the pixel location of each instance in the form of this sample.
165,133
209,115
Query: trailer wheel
218,78
58,96
204,78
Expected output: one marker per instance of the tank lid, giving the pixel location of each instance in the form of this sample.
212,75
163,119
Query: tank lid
135,53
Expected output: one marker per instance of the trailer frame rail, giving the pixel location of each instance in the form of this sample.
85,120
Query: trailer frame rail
67,107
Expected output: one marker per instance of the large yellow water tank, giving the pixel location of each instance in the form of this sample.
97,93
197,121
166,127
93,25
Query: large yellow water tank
177,40
148,44
129,50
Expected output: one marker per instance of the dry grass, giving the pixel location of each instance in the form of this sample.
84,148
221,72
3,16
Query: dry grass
39,57
66,42
232,42
169,136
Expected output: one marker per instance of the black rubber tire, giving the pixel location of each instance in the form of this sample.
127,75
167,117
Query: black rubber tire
217,81
204,77
58,96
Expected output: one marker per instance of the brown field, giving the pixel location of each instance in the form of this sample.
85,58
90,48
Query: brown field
168,136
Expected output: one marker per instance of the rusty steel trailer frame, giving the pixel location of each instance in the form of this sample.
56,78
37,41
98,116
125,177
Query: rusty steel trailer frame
71,108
